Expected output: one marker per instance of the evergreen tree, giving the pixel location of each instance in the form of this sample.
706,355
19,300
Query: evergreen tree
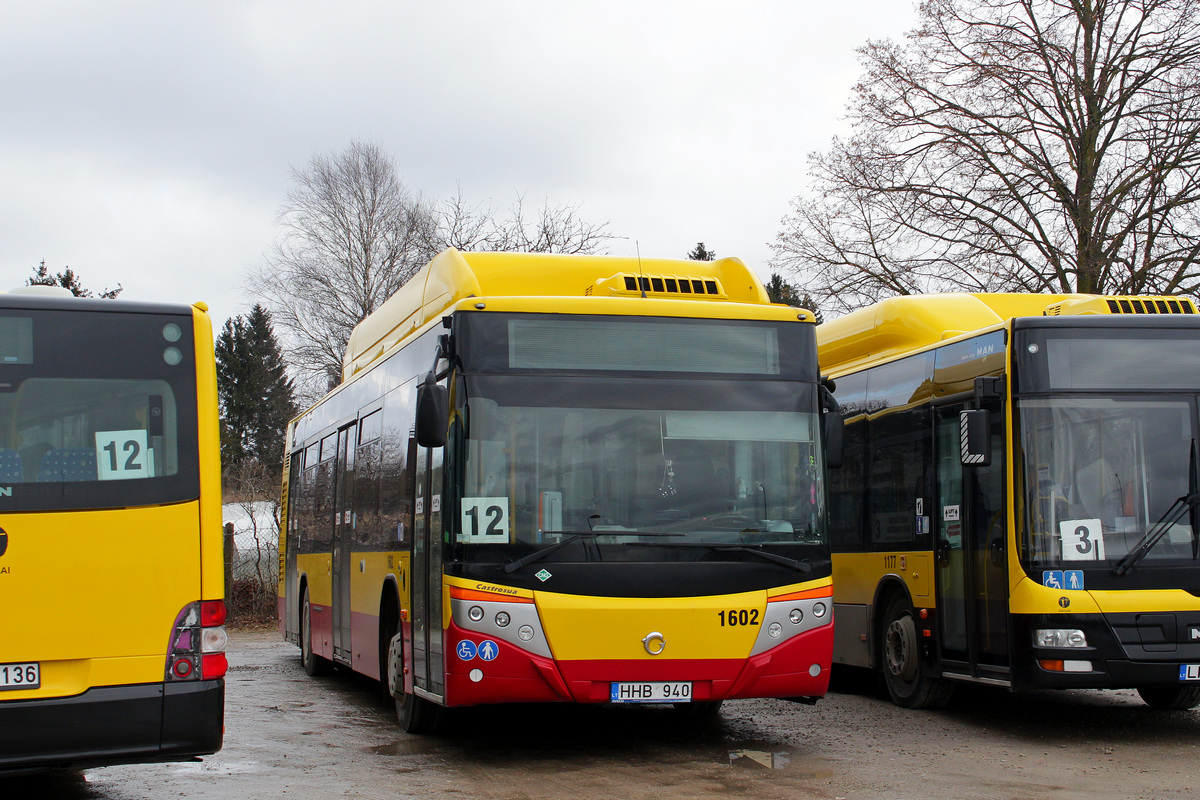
700,254
67,279
780,291
256,397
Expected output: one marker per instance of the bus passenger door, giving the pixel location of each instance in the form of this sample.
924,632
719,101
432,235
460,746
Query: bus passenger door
428,662
343,543
969,551
291,542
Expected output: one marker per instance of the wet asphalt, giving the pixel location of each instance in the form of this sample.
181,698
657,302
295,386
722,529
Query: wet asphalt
292,736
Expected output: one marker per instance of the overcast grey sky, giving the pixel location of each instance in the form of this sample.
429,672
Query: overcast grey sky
150,143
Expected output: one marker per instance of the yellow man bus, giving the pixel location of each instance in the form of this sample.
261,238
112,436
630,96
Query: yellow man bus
111,575
566,479
1018,501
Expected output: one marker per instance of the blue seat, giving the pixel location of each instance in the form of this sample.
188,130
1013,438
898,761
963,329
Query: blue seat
68,464
11,470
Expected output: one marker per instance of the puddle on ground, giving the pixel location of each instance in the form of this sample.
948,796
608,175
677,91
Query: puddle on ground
412,747
767,759
758,758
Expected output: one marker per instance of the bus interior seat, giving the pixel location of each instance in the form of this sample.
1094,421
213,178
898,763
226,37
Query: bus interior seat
68,464
11,470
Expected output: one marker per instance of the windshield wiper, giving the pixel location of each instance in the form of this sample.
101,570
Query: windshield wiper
1167,521
802,565
574,536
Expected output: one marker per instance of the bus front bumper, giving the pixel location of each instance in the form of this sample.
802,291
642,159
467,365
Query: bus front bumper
797,668
113,725
1124,651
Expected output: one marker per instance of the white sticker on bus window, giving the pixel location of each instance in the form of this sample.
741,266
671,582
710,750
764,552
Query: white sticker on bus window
484,520
1082,540
122,454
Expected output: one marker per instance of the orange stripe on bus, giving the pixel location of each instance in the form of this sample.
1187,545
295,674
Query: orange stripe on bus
495,597
807,594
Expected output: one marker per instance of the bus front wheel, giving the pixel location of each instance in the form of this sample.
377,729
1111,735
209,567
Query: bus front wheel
900,651
415,714
313,664
1166,698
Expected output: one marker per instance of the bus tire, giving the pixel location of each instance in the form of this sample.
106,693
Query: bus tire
390,635
416,714
1168,698
900,653
313,664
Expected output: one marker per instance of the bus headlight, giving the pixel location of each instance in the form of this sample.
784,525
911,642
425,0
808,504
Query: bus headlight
1059,637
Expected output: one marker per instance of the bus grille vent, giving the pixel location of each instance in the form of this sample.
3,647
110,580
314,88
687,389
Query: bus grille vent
1150,305
675,285
1121,305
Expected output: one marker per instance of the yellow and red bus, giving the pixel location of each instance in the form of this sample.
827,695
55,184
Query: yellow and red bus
566,479
1017,506
111,572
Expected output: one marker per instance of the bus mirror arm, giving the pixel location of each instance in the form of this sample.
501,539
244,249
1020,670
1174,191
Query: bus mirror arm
834,426
989,388
445,350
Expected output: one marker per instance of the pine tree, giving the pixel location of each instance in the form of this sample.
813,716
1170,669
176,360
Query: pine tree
780,291
67,279
277,401
256,397
700,254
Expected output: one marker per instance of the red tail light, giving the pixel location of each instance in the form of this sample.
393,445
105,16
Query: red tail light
212,613
197,647
215,665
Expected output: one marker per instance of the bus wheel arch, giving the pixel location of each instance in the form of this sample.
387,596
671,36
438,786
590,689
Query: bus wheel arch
908,683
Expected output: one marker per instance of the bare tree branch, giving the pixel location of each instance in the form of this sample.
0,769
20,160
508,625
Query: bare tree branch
351,234
1031,145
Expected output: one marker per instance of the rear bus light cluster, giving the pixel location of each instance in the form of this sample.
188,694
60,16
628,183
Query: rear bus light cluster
197,647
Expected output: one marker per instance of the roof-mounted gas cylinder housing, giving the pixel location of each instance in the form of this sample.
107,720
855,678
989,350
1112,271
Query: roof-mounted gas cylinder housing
453,278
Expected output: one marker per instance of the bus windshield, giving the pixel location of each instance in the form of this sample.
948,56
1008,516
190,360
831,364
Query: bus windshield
1100,472
636,462
97,410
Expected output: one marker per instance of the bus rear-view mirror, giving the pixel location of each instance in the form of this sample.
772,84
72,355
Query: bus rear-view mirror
433,412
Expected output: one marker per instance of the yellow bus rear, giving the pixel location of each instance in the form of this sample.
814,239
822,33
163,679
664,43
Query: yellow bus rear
111,569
